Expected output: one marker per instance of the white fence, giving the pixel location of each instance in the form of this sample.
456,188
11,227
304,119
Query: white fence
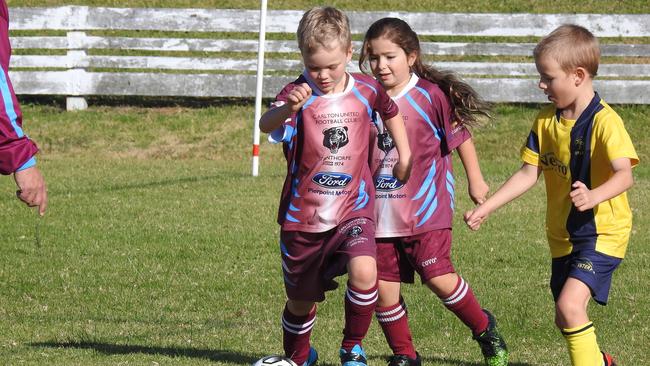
227,70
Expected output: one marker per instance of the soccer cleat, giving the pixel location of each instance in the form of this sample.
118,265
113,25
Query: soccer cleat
312,358
492,344
356,357
608,360
404,360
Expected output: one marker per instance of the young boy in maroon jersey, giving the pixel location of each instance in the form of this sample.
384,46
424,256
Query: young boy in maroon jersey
326,207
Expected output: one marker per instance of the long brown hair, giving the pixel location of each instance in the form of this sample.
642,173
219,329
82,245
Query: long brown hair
468,106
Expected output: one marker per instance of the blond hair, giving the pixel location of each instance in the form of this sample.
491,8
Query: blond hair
572,46
320,26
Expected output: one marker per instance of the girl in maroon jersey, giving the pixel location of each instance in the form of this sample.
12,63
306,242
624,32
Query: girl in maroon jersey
414,219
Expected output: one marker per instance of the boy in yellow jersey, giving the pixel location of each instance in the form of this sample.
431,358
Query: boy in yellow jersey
586,155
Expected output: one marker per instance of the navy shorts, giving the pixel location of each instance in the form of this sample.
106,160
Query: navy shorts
310,261
592,268
427,253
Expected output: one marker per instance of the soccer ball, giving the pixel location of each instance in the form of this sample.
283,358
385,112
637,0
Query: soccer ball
274,360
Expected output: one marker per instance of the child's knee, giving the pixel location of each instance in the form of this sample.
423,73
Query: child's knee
362,272
300,308
568,313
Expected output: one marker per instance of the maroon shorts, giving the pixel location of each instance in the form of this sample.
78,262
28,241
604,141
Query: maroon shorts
427,253
310,261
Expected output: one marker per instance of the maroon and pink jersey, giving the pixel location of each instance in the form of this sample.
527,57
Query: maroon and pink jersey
16,149
426,201
327,148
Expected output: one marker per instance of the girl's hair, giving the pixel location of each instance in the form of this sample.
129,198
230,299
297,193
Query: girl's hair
320,26
467,104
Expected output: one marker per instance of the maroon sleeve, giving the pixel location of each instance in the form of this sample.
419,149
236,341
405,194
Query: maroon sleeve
15,147
281,98
389,108
454,133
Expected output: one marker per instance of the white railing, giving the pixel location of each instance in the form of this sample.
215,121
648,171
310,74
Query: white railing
220,72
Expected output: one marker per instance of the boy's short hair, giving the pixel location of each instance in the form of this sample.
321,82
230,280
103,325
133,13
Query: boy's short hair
320,26
572,46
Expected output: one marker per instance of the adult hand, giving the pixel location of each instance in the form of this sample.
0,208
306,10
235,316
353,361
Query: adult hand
31,188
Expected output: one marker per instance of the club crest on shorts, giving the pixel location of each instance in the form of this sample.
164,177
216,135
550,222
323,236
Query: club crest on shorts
355,231
335,138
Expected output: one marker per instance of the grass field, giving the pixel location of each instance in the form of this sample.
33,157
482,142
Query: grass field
160,248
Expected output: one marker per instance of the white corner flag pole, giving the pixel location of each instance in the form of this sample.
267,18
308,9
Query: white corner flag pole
258,90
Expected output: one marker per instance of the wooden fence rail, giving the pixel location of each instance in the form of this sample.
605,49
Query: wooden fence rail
95,64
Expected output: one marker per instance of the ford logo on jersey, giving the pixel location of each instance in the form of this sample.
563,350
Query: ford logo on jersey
387,183
331,179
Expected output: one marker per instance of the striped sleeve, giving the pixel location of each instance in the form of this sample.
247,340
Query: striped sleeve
16,149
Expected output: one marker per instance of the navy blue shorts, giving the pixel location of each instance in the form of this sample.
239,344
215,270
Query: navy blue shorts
588,266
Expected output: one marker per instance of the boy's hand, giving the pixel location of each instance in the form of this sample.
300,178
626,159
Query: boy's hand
582,197
478,191
474,218
298,96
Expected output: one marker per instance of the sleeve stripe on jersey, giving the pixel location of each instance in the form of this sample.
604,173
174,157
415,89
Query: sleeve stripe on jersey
30,163
533,142
368,85
9,104
423,115
424,92
363,100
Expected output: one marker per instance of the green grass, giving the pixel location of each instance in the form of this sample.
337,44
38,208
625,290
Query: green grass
159,247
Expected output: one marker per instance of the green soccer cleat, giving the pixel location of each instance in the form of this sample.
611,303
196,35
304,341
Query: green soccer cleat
492,344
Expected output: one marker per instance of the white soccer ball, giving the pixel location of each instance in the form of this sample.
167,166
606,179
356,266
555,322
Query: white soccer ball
274,360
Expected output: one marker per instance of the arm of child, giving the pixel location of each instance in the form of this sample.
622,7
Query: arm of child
477,187
274,117
520,182
585,199
401,170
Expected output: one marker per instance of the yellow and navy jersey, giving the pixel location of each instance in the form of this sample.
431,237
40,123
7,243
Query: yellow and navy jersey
581,150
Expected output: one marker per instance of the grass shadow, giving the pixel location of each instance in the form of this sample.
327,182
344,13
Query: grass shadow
432,360
124,349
